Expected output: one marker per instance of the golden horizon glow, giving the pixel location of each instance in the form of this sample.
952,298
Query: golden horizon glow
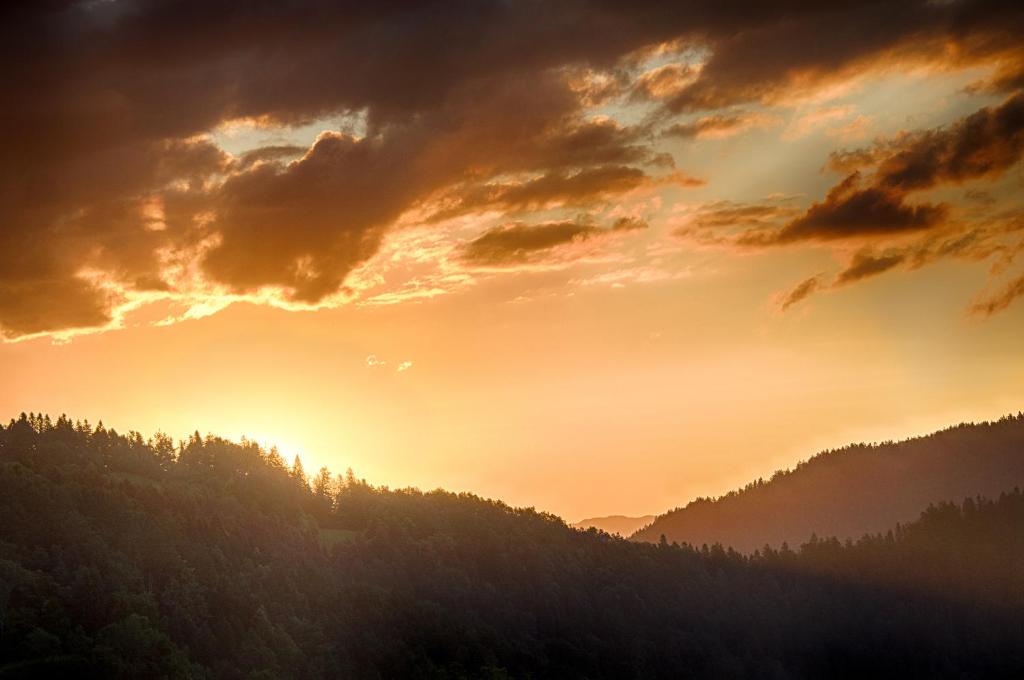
649,265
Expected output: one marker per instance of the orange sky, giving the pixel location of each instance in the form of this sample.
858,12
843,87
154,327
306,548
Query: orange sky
615,400
608,278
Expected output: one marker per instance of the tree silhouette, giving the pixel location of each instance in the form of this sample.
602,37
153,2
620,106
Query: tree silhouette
117,562
298,473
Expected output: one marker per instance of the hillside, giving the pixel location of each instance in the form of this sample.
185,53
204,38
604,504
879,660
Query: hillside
615,524
122,558
855,490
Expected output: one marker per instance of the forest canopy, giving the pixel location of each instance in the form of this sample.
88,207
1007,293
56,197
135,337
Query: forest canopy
128,557
856,489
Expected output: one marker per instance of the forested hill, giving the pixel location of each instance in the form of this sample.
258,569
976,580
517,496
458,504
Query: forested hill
122,558
854,490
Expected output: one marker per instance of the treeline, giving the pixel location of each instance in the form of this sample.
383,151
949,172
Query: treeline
858,489
127,558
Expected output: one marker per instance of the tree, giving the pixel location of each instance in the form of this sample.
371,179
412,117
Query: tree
323,494
298,473
322,485
233,570
163,447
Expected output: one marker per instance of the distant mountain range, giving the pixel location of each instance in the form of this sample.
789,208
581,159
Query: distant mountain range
854,490
616,524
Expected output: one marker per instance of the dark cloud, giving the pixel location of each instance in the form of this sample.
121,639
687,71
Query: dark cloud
997,238
784,48
866,264
103,100
87,212
340,197
851,211
519,243
335,201
555,189
106,102
985,143
38,305
558,187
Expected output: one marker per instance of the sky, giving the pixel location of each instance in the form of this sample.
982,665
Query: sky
591,257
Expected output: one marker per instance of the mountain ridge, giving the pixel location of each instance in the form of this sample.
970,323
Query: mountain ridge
854,490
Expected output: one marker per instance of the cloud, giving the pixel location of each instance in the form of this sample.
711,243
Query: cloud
731,215
663,81
778,54
108,111
719,126
302,228
800,292
999,300
985,143
997,238
852,211
345,192
65,302
815,120
555,188
857,128
519,243
734,224
270,154
108,165
90,212
866,264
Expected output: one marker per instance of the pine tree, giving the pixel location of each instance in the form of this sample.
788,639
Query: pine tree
322,485
298,472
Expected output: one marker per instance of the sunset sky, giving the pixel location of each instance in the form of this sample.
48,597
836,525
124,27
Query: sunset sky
593,257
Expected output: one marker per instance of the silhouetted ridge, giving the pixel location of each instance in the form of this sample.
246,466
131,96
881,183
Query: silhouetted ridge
855,490
122,558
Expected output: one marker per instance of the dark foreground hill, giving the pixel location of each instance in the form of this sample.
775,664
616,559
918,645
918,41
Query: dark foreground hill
126,559
855,490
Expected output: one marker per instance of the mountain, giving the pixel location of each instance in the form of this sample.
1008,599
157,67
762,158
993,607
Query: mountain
615,524
126,558
855,490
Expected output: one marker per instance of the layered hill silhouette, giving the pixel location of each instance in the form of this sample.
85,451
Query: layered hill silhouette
122,557
854,490
615,524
